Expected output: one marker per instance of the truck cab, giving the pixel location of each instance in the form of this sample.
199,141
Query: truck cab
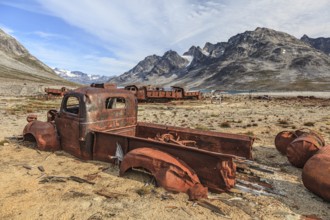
98,107
92,109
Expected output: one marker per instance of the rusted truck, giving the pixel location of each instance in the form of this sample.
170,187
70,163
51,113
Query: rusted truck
157,94
100,123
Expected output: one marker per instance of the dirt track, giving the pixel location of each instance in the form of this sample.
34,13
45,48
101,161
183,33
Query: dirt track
23,196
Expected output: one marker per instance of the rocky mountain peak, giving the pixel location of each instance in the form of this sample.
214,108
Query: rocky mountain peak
208,47
215,50
174,58
198,54
321,43
170,61
304,37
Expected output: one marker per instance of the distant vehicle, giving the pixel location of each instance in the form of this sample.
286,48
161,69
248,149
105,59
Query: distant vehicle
157,94
56,92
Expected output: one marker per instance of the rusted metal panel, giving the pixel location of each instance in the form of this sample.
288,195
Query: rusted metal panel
170,173
193,95
215,170
104,85
238,145
44,133
316,173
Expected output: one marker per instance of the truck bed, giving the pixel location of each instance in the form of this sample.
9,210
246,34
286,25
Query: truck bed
225,143
211,159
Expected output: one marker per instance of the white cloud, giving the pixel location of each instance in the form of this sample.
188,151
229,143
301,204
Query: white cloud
47,35
133,29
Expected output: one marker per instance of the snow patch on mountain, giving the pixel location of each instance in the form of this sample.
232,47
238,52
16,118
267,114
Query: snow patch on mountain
80,77
189,58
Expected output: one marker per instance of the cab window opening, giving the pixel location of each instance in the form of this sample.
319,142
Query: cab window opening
71,105
115,103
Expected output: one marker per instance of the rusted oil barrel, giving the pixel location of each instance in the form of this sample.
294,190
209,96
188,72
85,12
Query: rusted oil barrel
283,139
316,173
303,147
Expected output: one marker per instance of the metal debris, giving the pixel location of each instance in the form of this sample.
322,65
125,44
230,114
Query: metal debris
53,179
109,195
41,168
80,180
212,207
50,179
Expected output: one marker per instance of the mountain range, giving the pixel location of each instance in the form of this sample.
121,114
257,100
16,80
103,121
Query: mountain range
263,59
80,77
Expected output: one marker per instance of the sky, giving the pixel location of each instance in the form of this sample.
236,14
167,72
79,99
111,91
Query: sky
109,37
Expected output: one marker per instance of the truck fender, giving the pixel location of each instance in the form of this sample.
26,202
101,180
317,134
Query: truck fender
43,133
170,173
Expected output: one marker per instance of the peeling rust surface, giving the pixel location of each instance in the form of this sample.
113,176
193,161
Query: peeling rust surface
170,173
234,144
303,148
283,139
44,134
316,173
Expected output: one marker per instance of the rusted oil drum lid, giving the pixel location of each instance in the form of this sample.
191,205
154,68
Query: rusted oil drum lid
302,148
316,173
283,139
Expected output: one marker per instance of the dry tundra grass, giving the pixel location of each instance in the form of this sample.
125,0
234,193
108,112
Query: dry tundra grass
22,196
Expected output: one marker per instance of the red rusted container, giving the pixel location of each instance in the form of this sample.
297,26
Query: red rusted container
283,139
303,147
316,173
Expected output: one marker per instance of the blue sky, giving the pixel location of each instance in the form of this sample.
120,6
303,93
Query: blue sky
110,37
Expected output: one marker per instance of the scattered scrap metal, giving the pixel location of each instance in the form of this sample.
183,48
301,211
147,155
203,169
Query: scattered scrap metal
306,149
100,123
48,179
